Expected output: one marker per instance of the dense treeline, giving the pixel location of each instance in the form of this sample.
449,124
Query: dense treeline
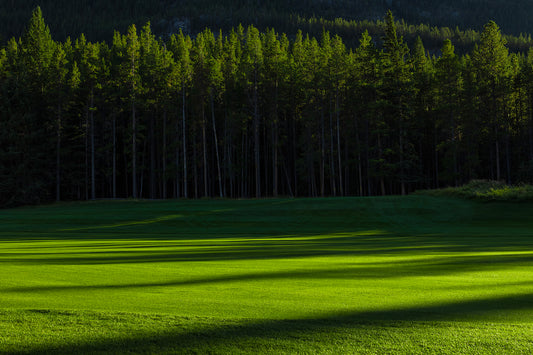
254,114
348,18
433,37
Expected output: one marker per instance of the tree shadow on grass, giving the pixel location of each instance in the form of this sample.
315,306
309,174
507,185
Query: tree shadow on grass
243,248
190,219
263,336
346,244
261,229
387,269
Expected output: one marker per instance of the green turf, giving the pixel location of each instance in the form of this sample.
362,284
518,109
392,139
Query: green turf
417,274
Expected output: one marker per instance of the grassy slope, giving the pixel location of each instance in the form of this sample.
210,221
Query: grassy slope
410,274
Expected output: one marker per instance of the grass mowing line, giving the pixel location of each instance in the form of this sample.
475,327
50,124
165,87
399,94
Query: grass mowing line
131,223
413,275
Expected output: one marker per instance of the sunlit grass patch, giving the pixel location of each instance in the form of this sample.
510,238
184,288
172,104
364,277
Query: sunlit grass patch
376,275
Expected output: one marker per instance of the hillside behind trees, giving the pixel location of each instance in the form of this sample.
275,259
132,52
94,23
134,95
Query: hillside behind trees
98,19
255,114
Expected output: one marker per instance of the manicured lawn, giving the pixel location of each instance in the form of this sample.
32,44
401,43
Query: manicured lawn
412,274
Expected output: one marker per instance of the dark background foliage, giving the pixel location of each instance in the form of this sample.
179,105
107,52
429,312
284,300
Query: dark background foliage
97,19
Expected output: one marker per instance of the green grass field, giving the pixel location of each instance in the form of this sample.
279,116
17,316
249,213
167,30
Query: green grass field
416,274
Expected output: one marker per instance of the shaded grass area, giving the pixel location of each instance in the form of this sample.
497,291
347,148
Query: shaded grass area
410,274
122,333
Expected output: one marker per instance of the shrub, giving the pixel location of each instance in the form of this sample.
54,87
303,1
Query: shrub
486,190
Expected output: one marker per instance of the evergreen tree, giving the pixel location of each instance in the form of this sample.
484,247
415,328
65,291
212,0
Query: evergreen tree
156,70
449,82
126,52
58,76
491,62
216,90
180,45
364,86
423,115
296,117
275,74
397,90
87,57
35,54
252,62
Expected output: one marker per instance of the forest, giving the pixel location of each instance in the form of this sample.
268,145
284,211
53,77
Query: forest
249,113
98,18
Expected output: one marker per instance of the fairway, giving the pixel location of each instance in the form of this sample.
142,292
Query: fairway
415,274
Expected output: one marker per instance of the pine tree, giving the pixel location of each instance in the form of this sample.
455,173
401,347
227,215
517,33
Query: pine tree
37,47
491,62
36,51
233,99
449,82
338,61
397,89
201,56
365,81
125,74
156,68
252,63
180,45
423,114
87,56
58,76
275,62
216,90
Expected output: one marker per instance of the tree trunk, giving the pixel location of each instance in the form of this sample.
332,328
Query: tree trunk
508,158
337,111
309,163
216,147
367,158
436,153
332,160
114,156
454,143
125,165
87,152
359,163
530,131
185,193
256,141
195,164
275,147
244,152
291,194
204,149
164,160
381,179
152,158
226,157
322,154
497,158
294,156
58,154
133,150
93,172
275,158
229,154
143,164
402,169
177,161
